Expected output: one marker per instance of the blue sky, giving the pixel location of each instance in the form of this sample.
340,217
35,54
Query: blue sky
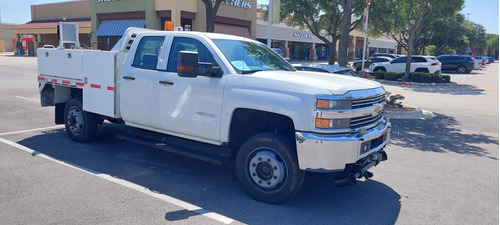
484,12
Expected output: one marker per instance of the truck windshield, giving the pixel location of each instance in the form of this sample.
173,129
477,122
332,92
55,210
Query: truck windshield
250,57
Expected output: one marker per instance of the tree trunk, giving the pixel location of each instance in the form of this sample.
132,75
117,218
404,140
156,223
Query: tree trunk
210,25
406,77
345,30
331,52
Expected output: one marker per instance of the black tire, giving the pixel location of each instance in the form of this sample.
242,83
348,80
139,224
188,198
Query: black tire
461,69
379,69
422,70
267,167
81,126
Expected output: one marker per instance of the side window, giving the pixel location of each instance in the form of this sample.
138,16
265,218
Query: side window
146,56
188,44
418,59
400,60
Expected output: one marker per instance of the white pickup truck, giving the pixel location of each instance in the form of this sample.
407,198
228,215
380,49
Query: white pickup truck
219,97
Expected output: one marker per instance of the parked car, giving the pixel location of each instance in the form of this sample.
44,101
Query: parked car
458,63
368,62
398,65
478,63
433,58
491,59
483,61
324,68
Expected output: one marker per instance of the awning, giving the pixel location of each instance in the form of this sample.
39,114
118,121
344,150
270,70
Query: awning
118,27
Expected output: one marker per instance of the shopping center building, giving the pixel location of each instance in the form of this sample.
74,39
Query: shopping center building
102,23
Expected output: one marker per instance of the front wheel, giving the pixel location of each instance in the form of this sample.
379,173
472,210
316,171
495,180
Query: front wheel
461,69
81,126
267,167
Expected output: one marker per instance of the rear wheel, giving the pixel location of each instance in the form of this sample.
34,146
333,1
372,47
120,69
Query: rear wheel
422,70
267,167
461,69
81,126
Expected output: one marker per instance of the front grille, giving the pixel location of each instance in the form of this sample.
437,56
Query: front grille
367,102
366,121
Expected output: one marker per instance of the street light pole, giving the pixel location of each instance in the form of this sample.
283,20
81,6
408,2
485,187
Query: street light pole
269,22
365,28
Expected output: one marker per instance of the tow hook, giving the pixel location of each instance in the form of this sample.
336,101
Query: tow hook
359,169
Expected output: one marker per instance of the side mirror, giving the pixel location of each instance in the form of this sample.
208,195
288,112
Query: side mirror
187,64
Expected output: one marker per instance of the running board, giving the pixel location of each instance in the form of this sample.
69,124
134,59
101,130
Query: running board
193,149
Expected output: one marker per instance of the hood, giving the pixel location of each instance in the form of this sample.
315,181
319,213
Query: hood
310,82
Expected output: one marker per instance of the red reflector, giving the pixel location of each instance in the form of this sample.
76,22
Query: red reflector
111,88
54,80
66,82
80,84
185,68
41,78
95,86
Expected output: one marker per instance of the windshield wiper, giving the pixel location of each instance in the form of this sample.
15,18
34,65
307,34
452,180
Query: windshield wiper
250,71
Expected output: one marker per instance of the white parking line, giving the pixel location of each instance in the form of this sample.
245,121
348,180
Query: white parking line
27,99
37,129
133,186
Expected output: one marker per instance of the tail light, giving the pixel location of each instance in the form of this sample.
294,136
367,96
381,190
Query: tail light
435,64
471,62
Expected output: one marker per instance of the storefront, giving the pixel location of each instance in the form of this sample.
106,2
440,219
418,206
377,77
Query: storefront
110,18
301,45
44,20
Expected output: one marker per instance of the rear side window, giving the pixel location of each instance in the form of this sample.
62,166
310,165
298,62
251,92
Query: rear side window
418,59
146,56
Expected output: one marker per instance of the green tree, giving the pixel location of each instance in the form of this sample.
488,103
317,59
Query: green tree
449,35
492,43
323,18
405,20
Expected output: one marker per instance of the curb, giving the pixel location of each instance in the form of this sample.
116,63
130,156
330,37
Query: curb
410,115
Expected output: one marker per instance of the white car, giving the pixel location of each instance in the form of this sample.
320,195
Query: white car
398,65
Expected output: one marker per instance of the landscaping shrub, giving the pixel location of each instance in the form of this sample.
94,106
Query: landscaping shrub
415,77
446,78
437,78
426,78
379,75
392,76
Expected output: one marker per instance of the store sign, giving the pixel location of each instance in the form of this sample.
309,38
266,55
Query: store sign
302,35
237,3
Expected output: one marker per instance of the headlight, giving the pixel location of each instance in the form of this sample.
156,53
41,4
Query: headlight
332,104
332,123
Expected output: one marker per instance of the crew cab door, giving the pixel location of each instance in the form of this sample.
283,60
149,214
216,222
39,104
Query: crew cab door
190,107
138,83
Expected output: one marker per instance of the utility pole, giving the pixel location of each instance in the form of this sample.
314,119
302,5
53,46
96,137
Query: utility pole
468,16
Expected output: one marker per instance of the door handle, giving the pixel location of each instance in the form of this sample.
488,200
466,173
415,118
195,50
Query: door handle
128,77
166,82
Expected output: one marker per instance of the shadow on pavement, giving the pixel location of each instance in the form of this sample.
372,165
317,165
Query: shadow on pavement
215,188
438,134
452,89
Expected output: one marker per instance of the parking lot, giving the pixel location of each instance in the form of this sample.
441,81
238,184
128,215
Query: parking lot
441,170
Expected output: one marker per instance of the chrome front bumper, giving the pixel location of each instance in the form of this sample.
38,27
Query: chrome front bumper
331,152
